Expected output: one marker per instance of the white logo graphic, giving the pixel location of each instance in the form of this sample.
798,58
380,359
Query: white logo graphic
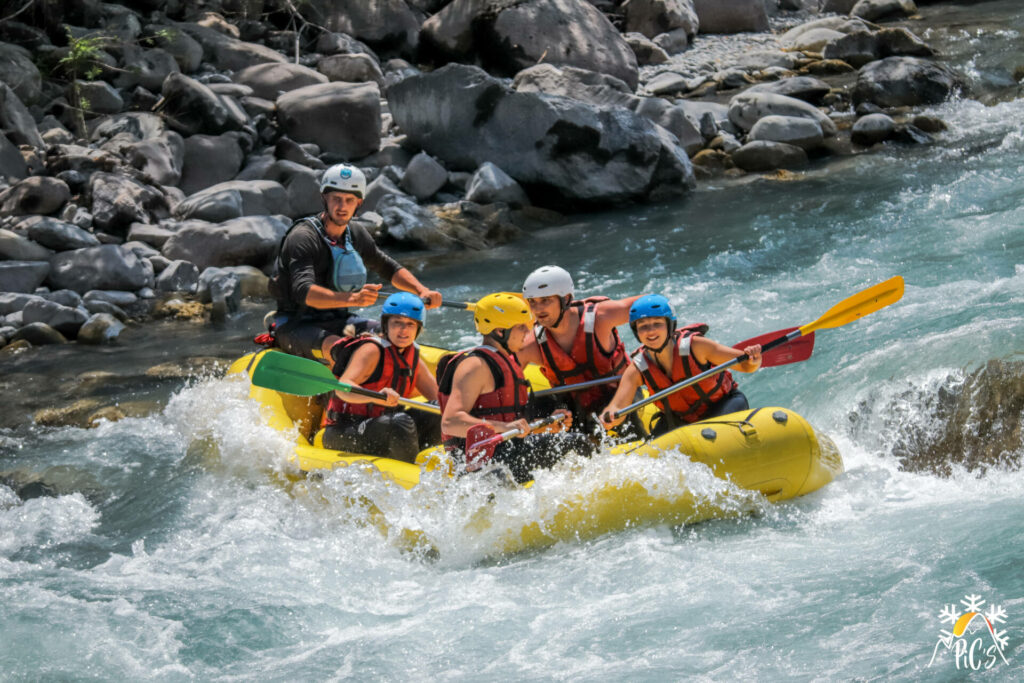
972,652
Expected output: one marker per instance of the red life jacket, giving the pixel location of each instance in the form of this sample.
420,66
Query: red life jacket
689,404
586,360
395,369
511,388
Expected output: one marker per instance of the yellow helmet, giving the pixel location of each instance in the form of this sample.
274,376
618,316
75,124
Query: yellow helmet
501,311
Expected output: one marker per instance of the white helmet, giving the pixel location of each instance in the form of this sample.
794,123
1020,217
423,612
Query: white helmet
548,281
343,178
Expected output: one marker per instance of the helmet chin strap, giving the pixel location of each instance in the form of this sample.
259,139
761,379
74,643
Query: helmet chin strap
563,306
501,336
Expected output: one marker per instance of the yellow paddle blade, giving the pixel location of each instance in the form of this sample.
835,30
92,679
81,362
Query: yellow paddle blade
859,305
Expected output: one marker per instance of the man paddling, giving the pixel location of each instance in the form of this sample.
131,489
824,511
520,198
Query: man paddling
320,271
670,355
485,385
392,366
575,341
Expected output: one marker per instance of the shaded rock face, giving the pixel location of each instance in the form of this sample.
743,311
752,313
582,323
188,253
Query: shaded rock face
340,118
510,35
388,26
190,107
19,71
462,115
731,16
251,240
104,267
118,201
905,81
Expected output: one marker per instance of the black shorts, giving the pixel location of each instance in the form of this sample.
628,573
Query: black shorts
304,335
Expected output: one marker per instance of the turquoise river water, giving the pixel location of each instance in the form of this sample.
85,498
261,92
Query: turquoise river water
179,555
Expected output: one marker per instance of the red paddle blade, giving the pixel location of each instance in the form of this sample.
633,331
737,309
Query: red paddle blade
480,445
792,352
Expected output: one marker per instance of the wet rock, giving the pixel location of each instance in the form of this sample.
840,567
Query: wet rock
676,119
490,185
249,282
763,155
22,276
233,199
856,49
117,201
190,107
736,16
18,70
647,51
748,107
190,311
812,40
190,367
806,88
410,224
178,276
39,334
208,160
37,195
874,10
64,297
929,124
73,415
104,267
652,17
121,299
15,247
64,319
577,150
423,177
15,346
58,235
868,130
827,67
511,37
804,133
341,118
225,298
270,81
100,328
250,240
97,306
351,68
905,81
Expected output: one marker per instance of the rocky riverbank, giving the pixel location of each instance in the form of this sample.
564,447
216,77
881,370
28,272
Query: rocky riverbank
154,153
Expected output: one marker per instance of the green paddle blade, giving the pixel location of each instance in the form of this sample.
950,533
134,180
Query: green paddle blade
294,375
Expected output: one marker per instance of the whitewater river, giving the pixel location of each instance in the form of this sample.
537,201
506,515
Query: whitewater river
176,549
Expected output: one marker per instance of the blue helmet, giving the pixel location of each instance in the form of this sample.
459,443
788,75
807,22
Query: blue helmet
651,306
404,304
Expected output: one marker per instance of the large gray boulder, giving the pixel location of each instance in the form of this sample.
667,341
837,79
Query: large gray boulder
251,240
208,160
178,276
226,52
874,10
388,26
16,122
22,276
12,163
64,319
873,128
302,185
763,155
340,118
117,201
510,36
748,107
147,67
731,16
271,80
233,199
490,184
99,97
354,68
423,177
15,247
190,107
57,234
187,52
578,84
654,17
36,195
793,130
463,116
905,81
104,267
19,71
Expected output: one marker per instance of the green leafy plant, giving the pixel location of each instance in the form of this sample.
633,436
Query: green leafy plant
84,59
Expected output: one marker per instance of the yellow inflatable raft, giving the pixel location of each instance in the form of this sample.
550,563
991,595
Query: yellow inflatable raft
772,451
